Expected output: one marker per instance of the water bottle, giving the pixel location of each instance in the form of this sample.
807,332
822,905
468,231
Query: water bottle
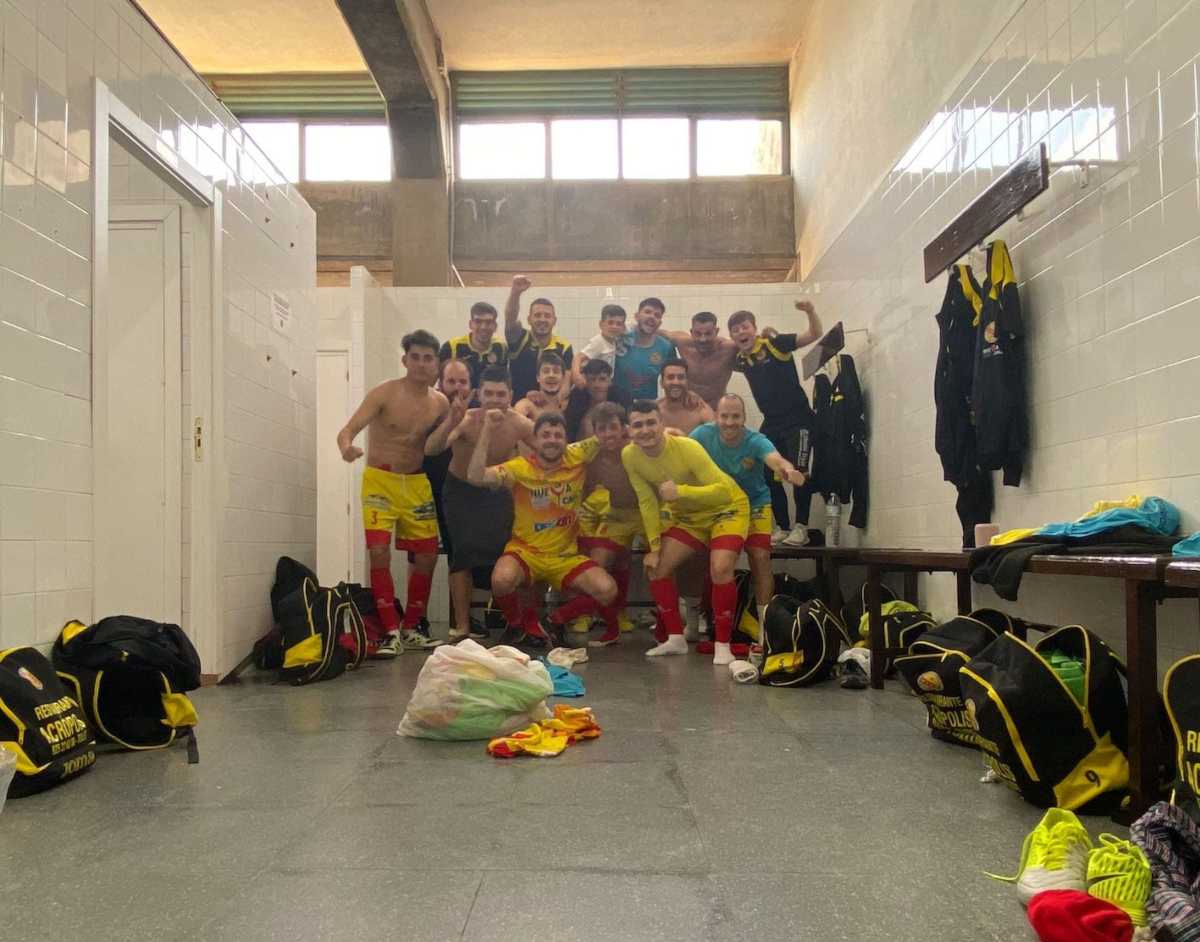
833,521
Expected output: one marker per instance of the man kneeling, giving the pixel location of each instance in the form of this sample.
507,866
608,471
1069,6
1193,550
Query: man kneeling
547,488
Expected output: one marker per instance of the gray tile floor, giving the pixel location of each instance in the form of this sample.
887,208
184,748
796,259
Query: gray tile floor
706,811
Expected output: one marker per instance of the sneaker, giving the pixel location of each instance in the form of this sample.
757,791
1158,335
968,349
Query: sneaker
390,647
413,640
798,536
778,535
625,622
478,630
423,626
1053,857
581,625
456,636
512,635
1119,873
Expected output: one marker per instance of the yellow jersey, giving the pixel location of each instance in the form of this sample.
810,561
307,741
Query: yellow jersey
546,503
702,485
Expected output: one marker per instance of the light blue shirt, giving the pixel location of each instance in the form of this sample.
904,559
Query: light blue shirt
743,462
637,367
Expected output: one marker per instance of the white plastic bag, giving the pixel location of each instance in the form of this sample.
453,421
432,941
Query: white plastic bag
467,691
8,769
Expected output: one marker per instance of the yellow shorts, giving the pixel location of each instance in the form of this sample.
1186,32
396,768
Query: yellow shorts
400,504
762,522
603,526
556,571
725,528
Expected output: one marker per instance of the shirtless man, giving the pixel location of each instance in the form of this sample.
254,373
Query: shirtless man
549,395
609,518
709,357
598,388
547,489
479,519
688,505
396,496
680,407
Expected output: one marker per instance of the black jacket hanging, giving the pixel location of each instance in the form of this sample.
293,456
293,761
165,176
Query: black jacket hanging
953,382
998,396
840,442
954,376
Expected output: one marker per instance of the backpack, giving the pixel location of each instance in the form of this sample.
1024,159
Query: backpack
312,622
131,675
289,577
41,724
931,670
1181,695
903,622
801,641
1056,750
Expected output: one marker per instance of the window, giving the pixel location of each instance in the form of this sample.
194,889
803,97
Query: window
738,147
280,141
505,151
347,152
655,149
584,149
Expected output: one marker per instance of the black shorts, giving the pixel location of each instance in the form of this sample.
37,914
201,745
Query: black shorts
480,522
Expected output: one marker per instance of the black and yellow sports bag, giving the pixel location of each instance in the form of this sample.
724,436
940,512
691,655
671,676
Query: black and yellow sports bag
323,633
1181,697
801,642
40,724
931,670
131,676
1058,748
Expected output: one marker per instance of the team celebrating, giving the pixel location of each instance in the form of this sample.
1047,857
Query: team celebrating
537,465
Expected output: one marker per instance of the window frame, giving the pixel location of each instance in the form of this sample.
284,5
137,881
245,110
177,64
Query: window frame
692,117
302,122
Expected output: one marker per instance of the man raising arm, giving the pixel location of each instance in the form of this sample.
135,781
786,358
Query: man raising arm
547,489
396,496
525,347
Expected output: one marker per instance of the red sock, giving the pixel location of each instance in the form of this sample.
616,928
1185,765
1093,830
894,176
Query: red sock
418,596
510,605
384,591
576,608
529,613
666,597
612,622
724,601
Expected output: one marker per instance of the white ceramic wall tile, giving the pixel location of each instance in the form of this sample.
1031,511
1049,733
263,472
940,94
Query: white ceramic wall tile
52,51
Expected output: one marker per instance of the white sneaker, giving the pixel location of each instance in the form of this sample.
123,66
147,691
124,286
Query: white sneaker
798,536
778,535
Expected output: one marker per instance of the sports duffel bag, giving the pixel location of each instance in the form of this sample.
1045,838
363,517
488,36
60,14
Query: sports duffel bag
40,724
313,621
1057,748
131,676
931,670
801,642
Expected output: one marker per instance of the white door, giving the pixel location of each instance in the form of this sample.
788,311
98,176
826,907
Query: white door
138,513
334,476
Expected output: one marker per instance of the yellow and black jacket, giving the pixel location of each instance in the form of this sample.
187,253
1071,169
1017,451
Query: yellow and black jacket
998,397
459,348
523,355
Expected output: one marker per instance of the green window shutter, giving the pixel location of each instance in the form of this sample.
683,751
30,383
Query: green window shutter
501,95
299,95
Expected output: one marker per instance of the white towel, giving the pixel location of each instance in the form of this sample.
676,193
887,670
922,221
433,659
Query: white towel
743,672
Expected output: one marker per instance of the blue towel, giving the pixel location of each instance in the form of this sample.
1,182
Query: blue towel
566,684
1154,514
1188,547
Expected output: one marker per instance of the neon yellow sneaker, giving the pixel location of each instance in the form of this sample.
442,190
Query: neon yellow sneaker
581,625
625,622
1053,857
1119,873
